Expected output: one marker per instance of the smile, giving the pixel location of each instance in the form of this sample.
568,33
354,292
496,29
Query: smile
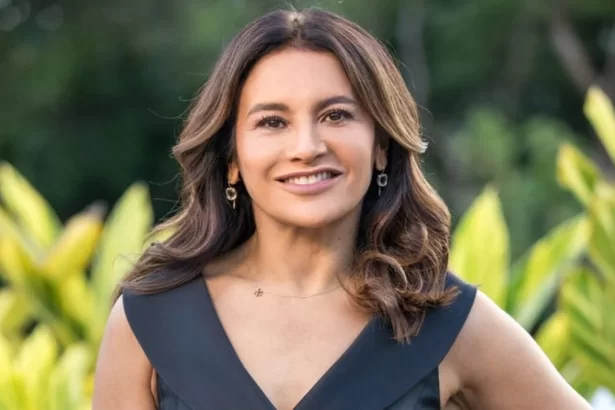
309,179
310,183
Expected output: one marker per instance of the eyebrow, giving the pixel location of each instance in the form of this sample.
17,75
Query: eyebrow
319,106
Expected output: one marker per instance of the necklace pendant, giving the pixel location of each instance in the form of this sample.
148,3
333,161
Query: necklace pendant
258,292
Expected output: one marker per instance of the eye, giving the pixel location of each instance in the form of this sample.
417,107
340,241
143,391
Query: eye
337,115
271,121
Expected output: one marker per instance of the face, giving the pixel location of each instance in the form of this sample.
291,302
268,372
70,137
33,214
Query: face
306,149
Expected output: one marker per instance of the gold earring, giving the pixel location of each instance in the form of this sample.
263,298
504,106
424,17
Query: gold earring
382,180
231,194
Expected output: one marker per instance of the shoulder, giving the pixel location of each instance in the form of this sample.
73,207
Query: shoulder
121,362
150,313
119,337
494,360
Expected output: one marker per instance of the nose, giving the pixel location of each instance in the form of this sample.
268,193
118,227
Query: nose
306,144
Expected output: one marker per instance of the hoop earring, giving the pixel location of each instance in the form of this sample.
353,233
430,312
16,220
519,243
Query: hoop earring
231,194
382,180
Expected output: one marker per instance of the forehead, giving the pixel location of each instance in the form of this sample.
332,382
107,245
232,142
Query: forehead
293,75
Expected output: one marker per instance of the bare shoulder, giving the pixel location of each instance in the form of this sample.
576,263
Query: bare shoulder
123,372
499,366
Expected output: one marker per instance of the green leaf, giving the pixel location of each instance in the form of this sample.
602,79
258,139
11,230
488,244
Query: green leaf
573,374
33,366
575,299
554,339
76,299
536,275
576,173
66,384
40,295
592,345
119,248
31,210
602,240
480,249
10,231
8,398
599,110
594,368
589,304
607,307
15,265
14,311
73,251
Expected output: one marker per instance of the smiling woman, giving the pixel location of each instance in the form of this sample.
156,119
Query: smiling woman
308,265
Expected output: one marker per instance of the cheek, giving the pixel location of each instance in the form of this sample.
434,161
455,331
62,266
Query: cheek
361,174
255,159
357,156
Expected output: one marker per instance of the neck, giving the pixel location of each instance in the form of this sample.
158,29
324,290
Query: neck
299,260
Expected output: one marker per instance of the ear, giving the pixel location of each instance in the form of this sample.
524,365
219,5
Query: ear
233,173
380,157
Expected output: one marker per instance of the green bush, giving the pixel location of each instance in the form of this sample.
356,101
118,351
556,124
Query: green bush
60,280
572,267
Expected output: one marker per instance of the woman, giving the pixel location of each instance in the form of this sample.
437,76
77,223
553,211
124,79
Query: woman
308,268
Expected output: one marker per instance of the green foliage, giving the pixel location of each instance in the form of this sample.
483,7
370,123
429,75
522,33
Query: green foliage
37,377
599,110
125,233
536,274
517,159
589,306
588,296
60,278
479,254
577,172
480,247
579,337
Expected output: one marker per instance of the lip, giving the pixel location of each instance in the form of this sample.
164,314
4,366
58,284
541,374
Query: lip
336,172
311,189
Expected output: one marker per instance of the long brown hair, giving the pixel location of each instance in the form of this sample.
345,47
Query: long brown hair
403,243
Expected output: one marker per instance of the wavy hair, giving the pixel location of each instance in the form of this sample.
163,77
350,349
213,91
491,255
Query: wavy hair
402,245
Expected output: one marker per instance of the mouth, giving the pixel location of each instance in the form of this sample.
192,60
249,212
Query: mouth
309,183
309,179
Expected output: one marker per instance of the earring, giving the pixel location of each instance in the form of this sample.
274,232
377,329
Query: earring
382,180
231,194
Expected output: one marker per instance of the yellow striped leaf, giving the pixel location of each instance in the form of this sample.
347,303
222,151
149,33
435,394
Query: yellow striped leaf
30,209
480,249
599,110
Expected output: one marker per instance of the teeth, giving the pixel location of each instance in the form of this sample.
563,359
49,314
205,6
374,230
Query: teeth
307,180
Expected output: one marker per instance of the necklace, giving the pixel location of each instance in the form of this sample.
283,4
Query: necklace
258,292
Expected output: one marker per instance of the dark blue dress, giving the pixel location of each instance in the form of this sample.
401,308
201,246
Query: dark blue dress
198,369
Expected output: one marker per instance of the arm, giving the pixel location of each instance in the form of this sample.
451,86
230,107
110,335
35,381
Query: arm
500,367
123,372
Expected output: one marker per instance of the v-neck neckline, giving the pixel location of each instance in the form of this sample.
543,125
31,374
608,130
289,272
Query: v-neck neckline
312,393
183,340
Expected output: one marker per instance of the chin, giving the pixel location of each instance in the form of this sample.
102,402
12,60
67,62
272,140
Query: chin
316,217
310,221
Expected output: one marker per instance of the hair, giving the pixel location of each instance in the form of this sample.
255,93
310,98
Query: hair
402,246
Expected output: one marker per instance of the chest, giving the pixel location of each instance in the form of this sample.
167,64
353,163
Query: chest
182,334
287,347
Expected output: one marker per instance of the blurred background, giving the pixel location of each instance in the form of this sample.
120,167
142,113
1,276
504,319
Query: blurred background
93,92
515,103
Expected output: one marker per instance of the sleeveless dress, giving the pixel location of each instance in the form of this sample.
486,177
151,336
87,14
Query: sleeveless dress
198,369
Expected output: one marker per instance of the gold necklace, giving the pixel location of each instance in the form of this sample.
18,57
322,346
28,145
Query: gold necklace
260,292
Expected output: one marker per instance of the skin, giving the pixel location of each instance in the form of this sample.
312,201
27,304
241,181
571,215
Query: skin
302,243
